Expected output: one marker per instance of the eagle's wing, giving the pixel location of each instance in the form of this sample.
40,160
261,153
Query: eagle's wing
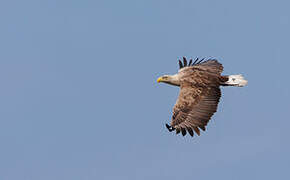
210,65
194,108
198,98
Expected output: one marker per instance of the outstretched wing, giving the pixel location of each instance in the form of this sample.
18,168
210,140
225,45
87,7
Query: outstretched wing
194,108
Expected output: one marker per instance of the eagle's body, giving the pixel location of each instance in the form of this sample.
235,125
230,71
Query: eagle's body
199,93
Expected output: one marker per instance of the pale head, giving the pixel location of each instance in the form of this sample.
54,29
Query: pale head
169,79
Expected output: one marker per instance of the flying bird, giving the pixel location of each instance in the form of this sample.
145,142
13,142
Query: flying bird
199,95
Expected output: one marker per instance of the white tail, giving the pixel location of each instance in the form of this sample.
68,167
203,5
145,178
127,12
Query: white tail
236,80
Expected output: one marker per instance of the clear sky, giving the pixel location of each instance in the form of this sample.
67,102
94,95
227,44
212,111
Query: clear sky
79,98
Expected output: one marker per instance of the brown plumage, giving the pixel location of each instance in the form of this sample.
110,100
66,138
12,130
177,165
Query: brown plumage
199,94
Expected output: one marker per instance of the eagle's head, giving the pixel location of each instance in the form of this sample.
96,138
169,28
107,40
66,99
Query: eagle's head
169,79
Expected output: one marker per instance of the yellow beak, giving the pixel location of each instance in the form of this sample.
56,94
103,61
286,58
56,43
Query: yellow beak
159,79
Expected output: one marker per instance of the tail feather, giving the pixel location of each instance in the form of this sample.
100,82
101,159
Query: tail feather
235,80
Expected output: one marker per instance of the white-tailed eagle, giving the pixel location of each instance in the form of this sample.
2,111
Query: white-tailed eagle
199,94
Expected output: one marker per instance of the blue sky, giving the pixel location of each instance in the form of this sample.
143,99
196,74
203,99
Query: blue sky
79,98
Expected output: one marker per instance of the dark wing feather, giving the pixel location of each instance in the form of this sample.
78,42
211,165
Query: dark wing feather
180,64
197,102
190,61
183,131
190,131
184,62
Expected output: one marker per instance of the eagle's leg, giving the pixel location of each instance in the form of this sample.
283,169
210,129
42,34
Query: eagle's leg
170,128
